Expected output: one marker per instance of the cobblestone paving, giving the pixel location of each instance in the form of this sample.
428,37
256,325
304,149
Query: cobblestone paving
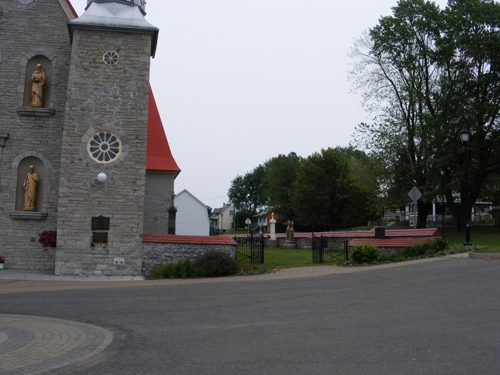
34,345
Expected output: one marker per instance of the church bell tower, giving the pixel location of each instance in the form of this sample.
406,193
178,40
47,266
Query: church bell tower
103,158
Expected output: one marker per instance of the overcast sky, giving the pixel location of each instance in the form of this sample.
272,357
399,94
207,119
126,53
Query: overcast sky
238,82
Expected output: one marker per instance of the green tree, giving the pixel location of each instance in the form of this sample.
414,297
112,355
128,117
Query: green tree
470,55
281,173
247,192
426,73
395,69
326,196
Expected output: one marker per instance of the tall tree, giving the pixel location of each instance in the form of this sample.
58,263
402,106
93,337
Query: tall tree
426,73
470,61
326,196
281,173
247,192
395,68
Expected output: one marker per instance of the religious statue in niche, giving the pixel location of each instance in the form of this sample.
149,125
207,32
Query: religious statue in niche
30,184
37,87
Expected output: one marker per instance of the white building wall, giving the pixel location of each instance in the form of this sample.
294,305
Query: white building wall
227,219
192,216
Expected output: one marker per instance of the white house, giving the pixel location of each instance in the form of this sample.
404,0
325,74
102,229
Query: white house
222,218
261,220
192,215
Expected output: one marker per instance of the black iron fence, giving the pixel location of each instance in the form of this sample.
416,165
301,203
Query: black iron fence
250,249
329,249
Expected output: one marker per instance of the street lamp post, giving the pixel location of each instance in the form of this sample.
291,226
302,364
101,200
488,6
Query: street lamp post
465,136
442,202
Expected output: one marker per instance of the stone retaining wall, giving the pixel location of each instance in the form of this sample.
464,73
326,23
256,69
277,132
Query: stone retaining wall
164,249
164,253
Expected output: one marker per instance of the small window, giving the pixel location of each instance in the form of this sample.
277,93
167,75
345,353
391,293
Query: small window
110,57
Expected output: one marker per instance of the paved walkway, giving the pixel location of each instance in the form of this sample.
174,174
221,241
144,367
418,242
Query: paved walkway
35,345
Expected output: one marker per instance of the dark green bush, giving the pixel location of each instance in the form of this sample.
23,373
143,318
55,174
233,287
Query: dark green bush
365,254
439,245
392,258
425,248
416,250
397,258
430,252
182,269
216,264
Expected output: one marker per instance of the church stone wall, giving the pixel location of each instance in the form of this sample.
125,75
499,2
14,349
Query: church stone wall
159,191
113,99
30,32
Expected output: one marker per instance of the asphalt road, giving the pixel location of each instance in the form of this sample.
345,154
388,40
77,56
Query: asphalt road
438,317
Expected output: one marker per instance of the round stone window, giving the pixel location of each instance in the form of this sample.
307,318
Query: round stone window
110,58
104,147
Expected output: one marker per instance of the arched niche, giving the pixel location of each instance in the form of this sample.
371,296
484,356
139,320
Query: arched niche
49,75
22,171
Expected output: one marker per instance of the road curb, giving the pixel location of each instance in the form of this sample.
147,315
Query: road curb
484,255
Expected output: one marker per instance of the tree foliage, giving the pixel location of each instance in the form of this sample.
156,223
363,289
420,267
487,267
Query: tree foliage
332,189
281,173
327,195
426,73
247,192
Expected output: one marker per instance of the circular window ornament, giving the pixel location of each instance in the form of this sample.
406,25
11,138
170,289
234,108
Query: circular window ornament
110,57
104,147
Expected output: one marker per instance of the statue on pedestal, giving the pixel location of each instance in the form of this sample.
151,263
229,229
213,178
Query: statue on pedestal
272,223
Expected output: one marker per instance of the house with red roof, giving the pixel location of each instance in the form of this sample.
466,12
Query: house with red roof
83,151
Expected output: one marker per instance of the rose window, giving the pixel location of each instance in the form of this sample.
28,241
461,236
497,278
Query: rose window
104,147
110,58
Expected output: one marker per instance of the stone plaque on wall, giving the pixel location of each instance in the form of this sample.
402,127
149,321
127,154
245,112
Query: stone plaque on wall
100,223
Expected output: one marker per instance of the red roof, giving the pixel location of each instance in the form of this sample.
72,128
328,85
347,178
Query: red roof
191,240
394,233
71,7
386,242
158,154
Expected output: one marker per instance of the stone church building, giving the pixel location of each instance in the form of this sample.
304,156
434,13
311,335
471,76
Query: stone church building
82,147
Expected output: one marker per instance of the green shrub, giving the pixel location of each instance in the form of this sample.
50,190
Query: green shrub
397,258
365,254
430,252
216,264
182,269
439,245
416,250
392,258
425,248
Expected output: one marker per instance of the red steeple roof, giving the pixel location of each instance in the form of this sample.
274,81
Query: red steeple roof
158,154
71,8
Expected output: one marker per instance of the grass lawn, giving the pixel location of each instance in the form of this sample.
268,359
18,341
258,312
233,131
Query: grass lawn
484,239
285,258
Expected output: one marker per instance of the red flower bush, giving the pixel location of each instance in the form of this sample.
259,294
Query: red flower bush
48,238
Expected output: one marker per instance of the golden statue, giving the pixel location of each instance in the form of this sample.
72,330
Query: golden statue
30,183
38,78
